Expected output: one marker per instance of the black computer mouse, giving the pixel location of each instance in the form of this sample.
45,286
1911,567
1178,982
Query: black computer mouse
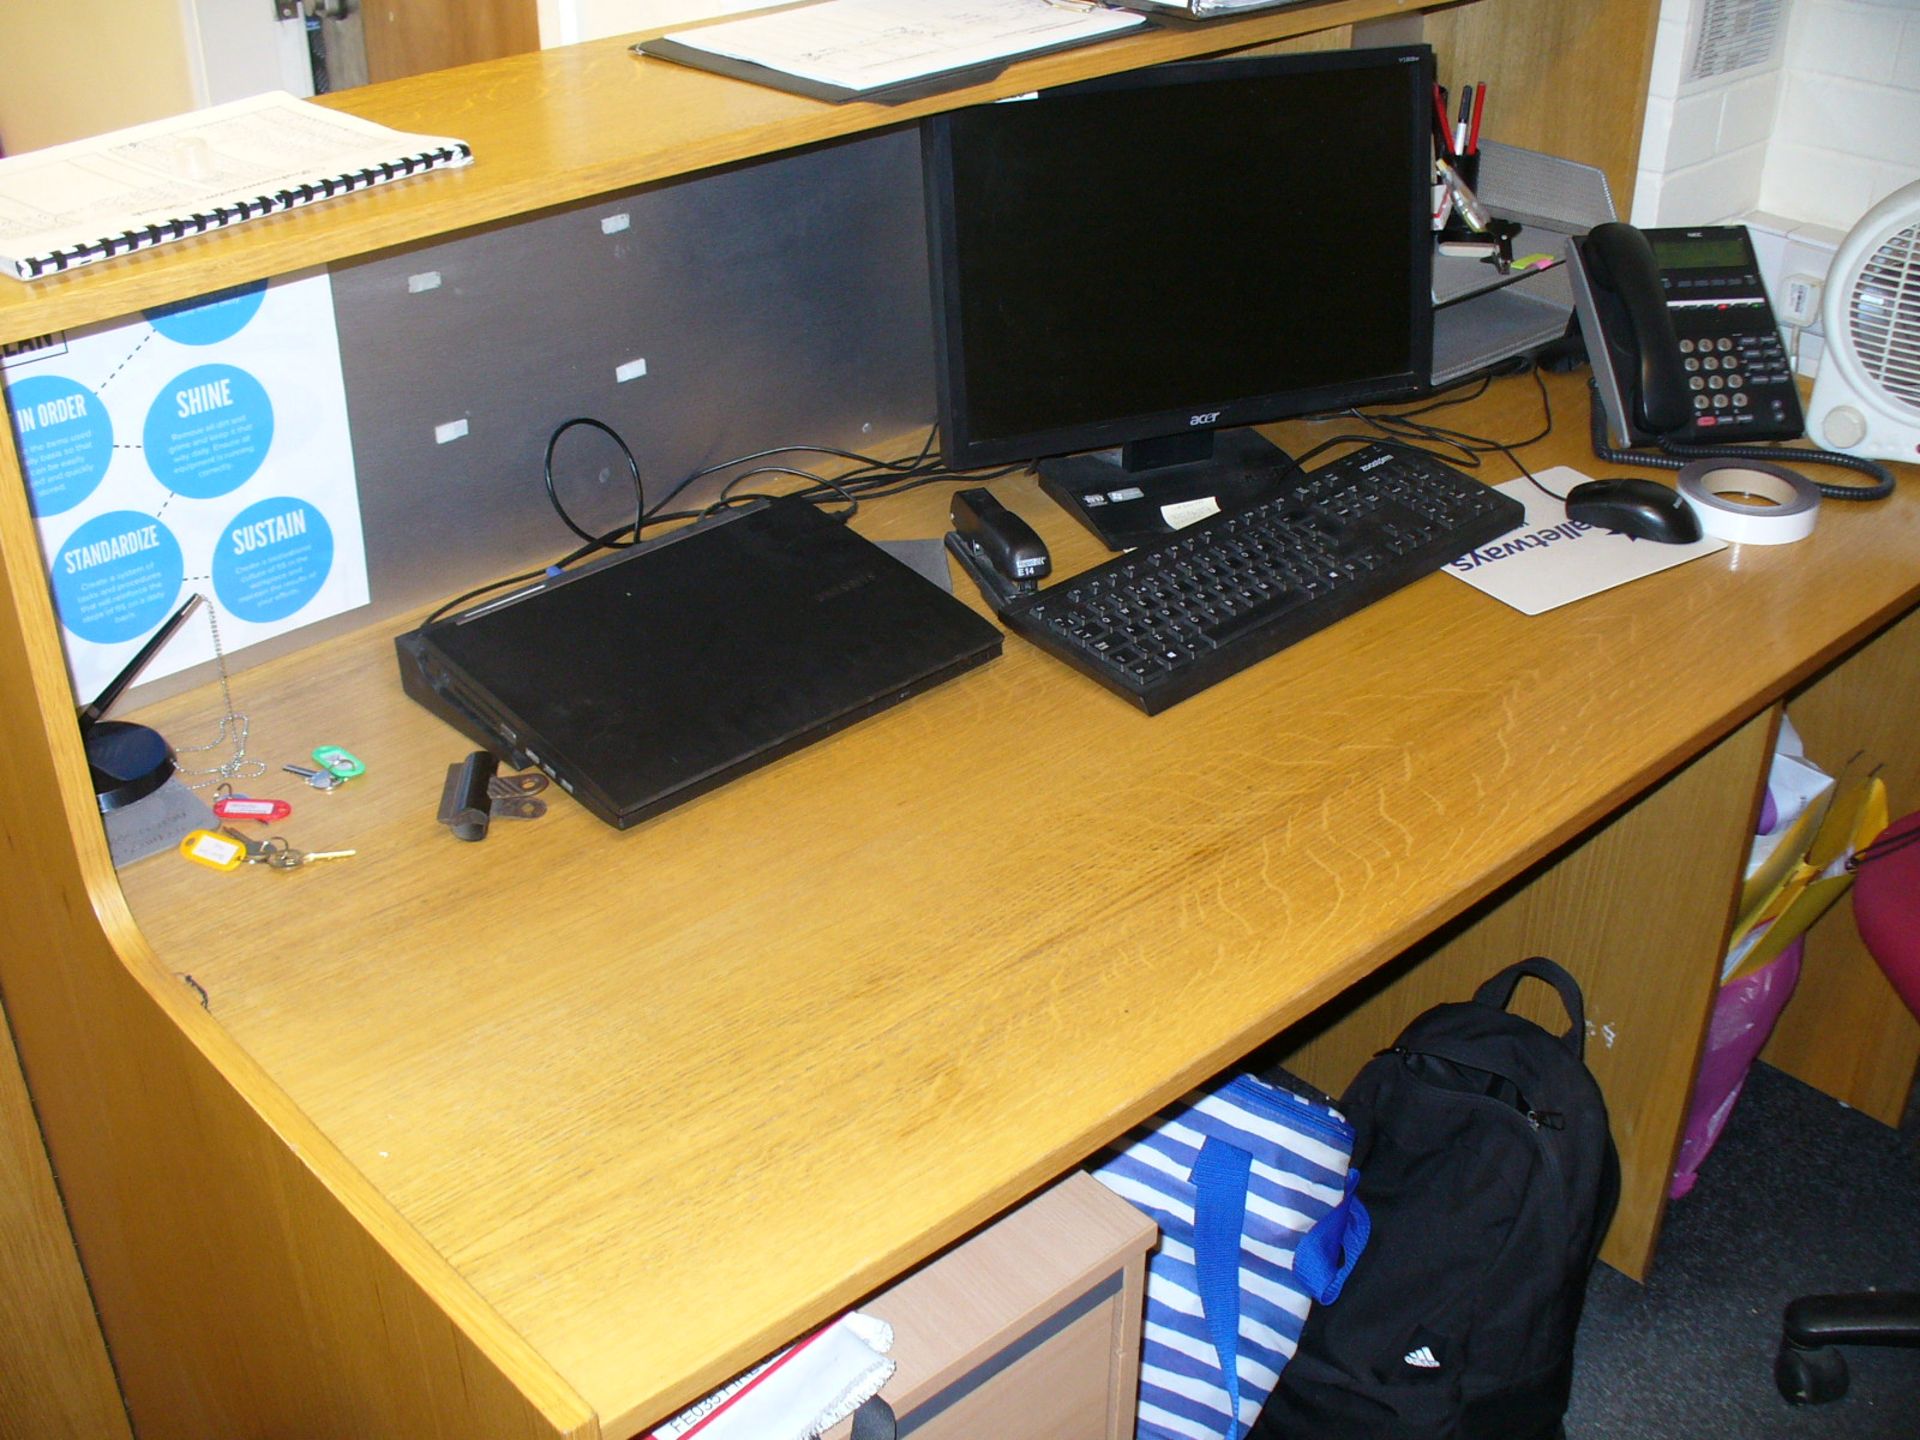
1641,509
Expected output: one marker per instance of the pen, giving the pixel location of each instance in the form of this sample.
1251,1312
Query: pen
90,713
1473,130
1440,114
1460,125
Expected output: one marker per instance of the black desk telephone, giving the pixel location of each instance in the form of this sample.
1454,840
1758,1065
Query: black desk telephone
1682,337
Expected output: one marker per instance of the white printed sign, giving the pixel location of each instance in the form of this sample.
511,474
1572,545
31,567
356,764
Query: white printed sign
202,447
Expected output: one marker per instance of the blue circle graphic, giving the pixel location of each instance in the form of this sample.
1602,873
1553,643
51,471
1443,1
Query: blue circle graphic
208,431
209,319
117,577
272,558
66,440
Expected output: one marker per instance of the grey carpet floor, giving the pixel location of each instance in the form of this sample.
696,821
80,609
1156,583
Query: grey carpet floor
1801,1195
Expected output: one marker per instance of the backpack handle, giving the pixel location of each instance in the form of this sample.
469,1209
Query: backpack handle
1498,992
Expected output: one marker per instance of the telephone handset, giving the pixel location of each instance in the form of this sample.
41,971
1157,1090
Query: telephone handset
1684,344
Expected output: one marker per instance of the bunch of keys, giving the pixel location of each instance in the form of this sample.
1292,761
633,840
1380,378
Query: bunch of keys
279,855
337,765
228,849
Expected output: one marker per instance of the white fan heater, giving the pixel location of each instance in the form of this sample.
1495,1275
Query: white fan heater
1866,400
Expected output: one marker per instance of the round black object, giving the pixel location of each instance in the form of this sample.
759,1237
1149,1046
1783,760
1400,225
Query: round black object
1809,1376
129,762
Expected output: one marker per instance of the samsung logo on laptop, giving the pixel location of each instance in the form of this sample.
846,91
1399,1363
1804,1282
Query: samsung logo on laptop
845,587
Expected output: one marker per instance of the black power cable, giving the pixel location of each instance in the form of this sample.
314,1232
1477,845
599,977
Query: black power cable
870,478
1464,450
1677,457
633,472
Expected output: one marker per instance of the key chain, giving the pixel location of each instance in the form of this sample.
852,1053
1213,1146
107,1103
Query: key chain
321,780
233,726
279,855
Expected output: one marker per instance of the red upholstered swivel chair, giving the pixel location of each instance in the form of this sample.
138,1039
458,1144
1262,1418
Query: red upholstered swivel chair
1886,905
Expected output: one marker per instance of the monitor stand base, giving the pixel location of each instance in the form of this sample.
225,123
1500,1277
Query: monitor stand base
1128,507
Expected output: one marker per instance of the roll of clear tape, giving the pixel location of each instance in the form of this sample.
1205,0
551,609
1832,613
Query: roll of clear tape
1749,502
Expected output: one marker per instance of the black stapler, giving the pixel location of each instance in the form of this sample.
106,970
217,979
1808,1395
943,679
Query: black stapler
996,547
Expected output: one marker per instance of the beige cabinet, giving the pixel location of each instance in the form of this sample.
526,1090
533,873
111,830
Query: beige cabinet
1028,1331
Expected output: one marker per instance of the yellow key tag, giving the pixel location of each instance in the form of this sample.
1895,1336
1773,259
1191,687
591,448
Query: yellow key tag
212,849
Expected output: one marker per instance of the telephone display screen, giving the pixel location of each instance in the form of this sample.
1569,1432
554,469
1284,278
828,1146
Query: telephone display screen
1701,253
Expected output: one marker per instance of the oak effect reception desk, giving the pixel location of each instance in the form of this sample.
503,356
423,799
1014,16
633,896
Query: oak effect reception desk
549,1135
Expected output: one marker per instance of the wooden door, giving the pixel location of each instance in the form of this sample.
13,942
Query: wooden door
407,37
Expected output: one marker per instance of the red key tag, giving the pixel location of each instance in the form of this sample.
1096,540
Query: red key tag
245,807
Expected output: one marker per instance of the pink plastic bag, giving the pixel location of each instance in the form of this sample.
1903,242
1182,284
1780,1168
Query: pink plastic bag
1744,1014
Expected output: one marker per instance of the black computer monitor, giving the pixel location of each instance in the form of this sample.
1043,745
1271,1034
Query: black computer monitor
1150,260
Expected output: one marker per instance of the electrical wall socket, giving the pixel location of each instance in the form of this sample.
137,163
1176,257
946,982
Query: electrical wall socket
1799,299
1794,261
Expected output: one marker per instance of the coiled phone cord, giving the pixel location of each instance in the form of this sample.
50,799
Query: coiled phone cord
1678,457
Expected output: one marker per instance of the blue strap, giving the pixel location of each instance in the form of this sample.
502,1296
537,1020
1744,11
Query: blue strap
1219,1176
1327,1253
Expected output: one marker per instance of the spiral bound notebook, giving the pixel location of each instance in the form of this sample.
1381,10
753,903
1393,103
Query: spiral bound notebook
90,200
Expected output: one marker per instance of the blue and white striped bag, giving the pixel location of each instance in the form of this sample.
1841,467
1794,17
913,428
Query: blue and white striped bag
1253,1190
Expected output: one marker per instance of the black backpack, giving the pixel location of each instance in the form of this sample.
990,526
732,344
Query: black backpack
1487,1166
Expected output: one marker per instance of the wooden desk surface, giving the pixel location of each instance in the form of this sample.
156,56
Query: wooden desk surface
667,1097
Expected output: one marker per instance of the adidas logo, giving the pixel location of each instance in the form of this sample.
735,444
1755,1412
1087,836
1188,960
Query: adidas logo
1422,1358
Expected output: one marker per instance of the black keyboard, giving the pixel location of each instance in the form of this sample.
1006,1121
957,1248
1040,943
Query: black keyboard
1163,622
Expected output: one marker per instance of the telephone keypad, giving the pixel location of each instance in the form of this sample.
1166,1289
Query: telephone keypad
1737,379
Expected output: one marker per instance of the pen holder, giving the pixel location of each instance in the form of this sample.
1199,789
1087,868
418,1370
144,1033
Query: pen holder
1448,222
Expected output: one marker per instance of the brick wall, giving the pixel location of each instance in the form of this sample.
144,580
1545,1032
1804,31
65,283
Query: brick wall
1818,134
1704,147
1847,134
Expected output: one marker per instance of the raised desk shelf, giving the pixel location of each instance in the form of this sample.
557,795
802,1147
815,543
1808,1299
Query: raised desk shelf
558,126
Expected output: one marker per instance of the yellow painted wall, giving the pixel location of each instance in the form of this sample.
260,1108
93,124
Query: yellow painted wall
71,68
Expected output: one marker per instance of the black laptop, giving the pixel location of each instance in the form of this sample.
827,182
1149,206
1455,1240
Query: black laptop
661,673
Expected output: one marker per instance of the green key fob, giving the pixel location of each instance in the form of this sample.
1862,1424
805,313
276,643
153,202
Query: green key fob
339,760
